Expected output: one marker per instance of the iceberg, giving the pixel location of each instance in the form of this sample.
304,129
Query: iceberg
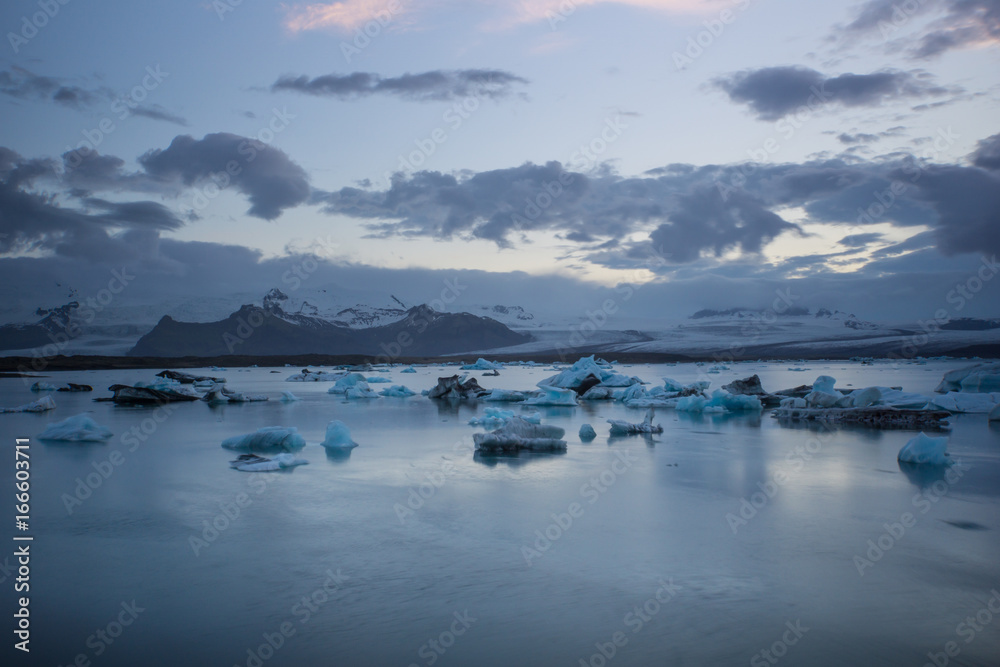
956,401
504,396
41,405
553,396
240,397
360,390
411,369
307,375
254,463
338,436
397,391
345,382
926,450
376,379
482,365
621,427
978,378
43,386
289,397
518,434
497,417
187,378
587,433
582,375
454,387
823,395
268,438
734,402
79,428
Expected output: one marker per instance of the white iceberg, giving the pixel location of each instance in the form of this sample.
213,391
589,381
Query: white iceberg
482,365
240,397
504,396
553,396
41,405
823,395
978,378
621,427
497,417
411,369
338,436
345,382
517,434
587,432
360,390
289,397
268,438
307,375
575,375
79,428
254,463
924,449
956,401
43,386
397,391
376,379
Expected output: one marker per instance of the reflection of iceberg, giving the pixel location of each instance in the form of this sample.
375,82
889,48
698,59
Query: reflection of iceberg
41,405
268,438
338,436
517,434
79,428
926,450
621,427
254,463
397,391
504,396
553,396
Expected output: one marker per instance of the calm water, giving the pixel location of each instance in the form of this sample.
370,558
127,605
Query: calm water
426,542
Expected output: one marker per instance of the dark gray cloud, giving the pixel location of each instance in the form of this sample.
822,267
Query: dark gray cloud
859,138
945,24
19,83
774,92
987,153
860,240
427,86
266,175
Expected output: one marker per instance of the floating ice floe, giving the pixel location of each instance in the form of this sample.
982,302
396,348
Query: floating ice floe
240,397
587,432
43,386
267,439
187,378
517,434
289,397
254,463
751,386
345,382
360,390
588,372
397,391
219,393
411,369
497,417
43,404
504,396
553,396
926,450
482,365
79,428
376,379
621,427
139,395
338,436
978,378
306,375
457,388
955,401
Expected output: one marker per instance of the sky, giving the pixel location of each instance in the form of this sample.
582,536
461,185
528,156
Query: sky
713,153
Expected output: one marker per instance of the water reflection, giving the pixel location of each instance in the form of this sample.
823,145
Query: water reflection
513,460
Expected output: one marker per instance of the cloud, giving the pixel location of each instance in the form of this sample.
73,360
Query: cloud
266,175
774,92
987,153
859,138
952,24
350,15
427,86
20,83
860,240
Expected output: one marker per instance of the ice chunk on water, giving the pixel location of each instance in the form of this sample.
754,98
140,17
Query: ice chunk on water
411,369
955,401
517,434
43,386
267,439
482,365
974,379
345,382
587,432
338,436
397,391
497,417
926,450
360,390
504,396
734,402
289,397
621,427
254,463
79,428
41,405
553,396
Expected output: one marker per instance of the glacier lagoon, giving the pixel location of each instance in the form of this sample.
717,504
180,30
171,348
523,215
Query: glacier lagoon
726,539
